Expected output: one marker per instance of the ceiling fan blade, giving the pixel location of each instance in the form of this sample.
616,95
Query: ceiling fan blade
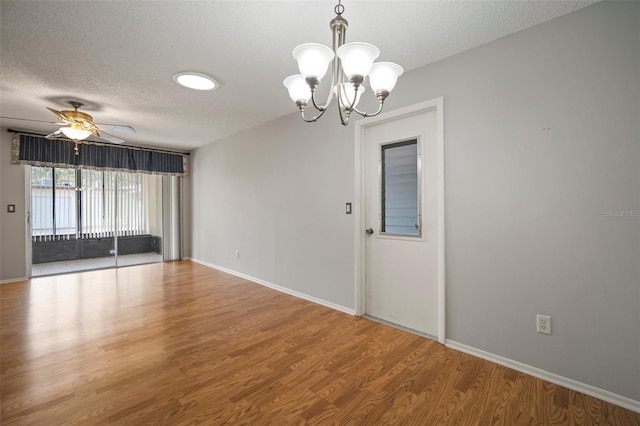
115,128
107,137
54,135
28,119
62,116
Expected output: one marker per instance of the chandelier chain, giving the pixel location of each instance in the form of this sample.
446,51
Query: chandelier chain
339,9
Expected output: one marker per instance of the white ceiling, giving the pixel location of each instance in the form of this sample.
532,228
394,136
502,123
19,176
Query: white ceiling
118,57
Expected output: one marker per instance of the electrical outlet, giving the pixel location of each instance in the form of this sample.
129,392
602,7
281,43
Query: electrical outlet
237,254
543,323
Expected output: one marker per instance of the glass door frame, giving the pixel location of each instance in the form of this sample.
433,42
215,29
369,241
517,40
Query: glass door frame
155,194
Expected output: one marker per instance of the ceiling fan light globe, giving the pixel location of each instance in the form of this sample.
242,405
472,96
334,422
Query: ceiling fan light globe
357,58
298,88
384,75
313,59
75,133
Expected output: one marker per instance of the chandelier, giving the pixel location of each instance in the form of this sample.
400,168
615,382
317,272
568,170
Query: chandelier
351,64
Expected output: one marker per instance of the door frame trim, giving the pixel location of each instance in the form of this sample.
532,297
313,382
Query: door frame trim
437,105
27,220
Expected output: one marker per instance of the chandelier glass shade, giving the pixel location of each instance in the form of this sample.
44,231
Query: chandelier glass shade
357,58
351,64
313,59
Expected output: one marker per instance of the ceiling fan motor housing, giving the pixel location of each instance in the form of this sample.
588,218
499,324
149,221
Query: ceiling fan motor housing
78,115
82,119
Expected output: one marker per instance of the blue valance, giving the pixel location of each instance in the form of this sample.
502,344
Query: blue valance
38,151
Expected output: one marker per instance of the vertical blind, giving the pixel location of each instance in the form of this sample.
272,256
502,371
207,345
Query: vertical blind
85,203
53,196
97,198
113,200
130,204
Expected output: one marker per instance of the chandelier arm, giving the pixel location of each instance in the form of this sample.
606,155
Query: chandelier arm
339,95
369,114
355,98
315,104
313,119
338,37
338,31
326,105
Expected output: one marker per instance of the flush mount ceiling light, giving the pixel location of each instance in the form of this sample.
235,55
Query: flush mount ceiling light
352,63
195,80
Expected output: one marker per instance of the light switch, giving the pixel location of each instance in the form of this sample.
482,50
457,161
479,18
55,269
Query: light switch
11,208
348,208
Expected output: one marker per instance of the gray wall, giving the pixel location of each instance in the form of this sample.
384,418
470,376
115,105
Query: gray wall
13,240
542,148
277,194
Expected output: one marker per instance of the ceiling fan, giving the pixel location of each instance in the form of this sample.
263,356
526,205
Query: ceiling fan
77,125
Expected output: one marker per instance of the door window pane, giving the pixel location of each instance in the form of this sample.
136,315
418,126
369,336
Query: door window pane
400,179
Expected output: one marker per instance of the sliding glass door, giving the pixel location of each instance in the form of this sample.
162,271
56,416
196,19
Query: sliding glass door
138,218
85,219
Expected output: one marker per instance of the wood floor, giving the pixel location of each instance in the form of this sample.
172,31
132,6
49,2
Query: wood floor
179,343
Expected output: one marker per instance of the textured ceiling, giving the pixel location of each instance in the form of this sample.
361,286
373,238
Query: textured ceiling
118,57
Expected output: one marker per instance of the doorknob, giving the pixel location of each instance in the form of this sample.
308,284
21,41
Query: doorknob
369,231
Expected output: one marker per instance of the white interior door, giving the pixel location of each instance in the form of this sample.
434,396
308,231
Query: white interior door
402,221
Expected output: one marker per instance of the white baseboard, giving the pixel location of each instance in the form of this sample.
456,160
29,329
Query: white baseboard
13,280
599,393
279,288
